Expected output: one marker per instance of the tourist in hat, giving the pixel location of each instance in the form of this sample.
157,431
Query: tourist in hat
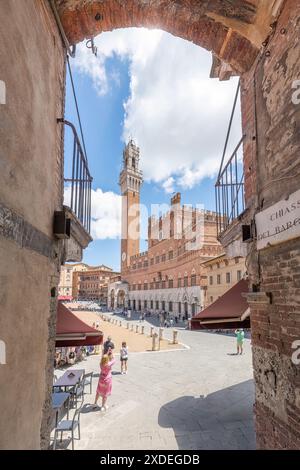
108,345
105,380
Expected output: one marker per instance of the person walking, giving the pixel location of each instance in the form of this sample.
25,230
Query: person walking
240,335
108,345
124,358
104,387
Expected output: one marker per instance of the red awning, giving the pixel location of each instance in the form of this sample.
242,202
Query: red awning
230,310
71,331
65,297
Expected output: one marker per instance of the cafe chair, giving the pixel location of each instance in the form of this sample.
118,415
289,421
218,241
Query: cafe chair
87,380
68,425
77,392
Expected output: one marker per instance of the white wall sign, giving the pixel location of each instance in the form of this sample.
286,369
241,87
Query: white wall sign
279,223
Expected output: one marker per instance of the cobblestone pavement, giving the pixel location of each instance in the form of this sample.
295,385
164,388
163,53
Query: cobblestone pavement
197,398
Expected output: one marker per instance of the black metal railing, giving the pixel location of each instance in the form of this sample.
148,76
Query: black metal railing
229,191
80,182
229,187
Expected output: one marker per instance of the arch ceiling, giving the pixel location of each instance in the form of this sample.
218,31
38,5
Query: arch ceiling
232,30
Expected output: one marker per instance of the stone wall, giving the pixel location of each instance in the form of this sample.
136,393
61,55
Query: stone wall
31,166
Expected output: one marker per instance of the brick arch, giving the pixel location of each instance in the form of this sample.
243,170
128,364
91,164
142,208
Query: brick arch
215,25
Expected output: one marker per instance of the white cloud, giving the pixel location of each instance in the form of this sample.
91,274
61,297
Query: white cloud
106,213
168,185
175,112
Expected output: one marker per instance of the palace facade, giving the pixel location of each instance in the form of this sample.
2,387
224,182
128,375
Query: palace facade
170,275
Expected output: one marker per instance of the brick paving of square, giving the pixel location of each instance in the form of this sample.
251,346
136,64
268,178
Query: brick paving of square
136,342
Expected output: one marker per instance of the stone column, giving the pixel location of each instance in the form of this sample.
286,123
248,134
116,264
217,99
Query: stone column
175,334
120,323
137,328
151,331
143,328
161,332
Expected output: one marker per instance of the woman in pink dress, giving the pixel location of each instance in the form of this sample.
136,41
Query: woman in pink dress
105,379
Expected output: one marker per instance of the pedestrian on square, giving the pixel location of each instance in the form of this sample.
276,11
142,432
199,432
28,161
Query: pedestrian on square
104,387
108,345
124,358
240,335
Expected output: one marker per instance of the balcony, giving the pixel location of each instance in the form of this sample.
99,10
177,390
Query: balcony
76,214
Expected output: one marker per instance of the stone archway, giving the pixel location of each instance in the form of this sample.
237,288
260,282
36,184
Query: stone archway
121,298
232,32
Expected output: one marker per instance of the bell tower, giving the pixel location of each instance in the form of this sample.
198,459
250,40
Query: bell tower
131,179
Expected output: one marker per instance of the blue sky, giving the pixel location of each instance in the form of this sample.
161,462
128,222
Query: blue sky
136,87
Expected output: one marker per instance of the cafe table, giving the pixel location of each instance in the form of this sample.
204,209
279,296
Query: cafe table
58,401
69,379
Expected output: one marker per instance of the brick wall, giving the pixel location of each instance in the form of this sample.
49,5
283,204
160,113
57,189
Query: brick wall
204,23
272,171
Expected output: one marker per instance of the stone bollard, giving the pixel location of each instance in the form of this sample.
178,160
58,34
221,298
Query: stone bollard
154,341
131,328
143,329
151,331
127,326
161,332
175,334
120,323
137,328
